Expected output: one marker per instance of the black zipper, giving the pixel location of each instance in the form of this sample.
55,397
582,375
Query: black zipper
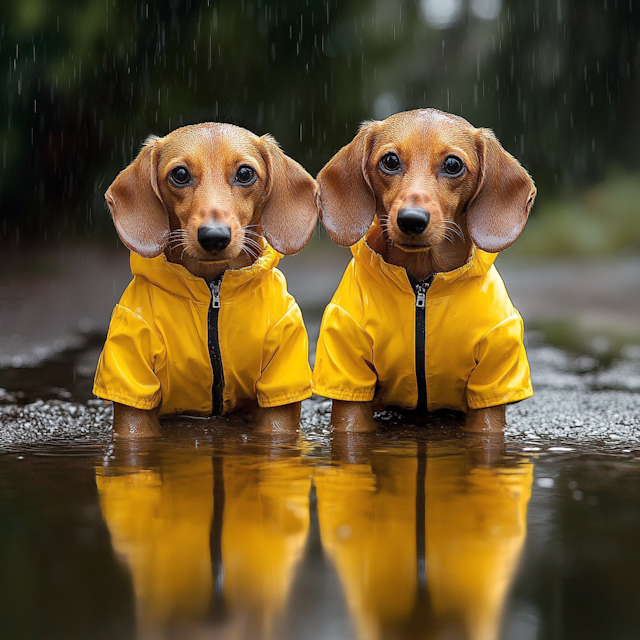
420,288
214,348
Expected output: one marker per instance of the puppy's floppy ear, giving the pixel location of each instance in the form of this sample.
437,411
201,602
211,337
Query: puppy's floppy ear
290,210
136,207
347,201
500,207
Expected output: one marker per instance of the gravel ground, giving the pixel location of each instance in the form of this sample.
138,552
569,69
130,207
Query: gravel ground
575,402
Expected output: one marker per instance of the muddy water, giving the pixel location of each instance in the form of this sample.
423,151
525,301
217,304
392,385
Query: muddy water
414,532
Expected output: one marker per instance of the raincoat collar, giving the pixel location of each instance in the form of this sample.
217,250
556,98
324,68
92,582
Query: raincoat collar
176,280
476,266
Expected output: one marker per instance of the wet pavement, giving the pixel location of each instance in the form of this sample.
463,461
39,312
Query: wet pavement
57,299
55,307
576,401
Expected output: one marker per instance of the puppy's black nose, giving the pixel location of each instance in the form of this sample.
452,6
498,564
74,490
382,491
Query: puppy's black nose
413,221
214,237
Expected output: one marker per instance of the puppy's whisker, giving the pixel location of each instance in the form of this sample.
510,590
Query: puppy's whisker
255,246
249,252
459,233
253,233
177,239
455,227
253,242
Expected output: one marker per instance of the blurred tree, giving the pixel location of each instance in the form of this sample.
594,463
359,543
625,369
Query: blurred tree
85,81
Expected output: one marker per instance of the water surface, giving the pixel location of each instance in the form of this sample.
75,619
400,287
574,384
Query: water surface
413,532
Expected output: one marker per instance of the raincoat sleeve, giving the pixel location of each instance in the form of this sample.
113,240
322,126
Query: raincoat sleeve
502,373
125,372
286,375
343,369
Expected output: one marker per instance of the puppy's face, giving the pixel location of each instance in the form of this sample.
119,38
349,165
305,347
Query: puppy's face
433,180
424,170
213,183
206,194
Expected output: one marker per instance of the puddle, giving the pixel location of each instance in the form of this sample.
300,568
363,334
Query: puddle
406,534
413,532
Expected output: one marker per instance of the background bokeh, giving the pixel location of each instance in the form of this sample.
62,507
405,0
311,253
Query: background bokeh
83,82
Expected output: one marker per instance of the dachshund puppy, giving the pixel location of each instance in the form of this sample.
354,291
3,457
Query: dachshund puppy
421,318
207,325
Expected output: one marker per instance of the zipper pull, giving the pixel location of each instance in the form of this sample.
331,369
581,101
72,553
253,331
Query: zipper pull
214,285
420,288
421,294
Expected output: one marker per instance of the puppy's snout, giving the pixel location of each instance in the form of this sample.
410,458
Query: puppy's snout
413,220
214,237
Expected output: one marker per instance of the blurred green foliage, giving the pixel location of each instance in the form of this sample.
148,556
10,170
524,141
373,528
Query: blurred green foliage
602,219
83,82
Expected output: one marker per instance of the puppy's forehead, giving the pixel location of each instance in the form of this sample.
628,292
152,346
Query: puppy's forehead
427,127
210,138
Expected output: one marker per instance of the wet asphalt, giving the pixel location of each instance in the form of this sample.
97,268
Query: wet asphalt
575,403
63,303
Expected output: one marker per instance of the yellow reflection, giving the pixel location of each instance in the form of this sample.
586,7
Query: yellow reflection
212,541
266,522
425,541
160,521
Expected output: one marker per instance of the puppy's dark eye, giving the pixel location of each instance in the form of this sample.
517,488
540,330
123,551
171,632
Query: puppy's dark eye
453,166
180,176
246,175
390,163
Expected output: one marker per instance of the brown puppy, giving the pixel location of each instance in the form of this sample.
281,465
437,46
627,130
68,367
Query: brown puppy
436,186
206,196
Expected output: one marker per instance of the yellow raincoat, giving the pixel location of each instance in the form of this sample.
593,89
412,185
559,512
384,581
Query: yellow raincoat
157,348
474,353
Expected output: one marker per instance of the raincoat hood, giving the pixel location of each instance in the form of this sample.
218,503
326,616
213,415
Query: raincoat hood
177,281
379,269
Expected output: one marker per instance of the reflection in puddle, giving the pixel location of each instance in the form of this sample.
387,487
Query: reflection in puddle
424,538
211,539
426,543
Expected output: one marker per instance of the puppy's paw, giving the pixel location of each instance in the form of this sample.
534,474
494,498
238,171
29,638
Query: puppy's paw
282,420
352,417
